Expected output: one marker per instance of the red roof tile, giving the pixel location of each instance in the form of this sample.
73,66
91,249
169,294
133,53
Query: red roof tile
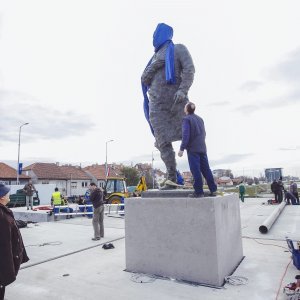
47,171
98,171
73,172
7,172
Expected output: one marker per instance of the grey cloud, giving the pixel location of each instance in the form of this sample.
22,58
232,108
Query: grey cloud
290,99
229,159
251,85
289,69
289,148
144,158
45,122
219,103
247,109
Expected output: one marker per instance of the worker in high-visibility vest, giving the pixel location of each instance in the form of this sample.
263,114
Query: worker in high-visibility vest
56,200
56,197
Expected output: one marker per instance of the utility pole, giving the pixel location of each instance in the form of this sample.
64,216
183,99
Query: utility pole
106,157
152,167
19,146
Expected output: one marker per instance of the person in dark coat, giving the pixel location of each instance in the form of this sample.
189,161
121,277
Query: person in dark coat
275,188
193,140
281,189
12,250
29,189
96,198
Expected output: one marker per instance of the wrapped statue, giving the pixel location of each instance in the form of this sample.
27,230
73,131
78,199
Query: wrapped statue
167,80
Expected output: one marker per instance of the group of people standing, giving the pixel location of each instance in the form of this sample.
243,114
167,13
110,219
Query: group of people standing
291,196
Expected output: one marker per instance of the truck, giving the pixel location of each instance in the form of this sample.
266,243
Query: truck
115,190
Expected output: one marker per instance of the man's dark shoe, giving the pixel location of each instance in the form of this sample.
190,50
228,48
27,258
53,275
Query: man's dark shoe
194,195
95,239
213,194
108,246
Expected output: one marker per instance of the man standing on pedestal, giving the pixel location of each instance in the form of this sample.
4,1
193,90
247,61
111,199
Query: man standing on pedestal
193,140
167,79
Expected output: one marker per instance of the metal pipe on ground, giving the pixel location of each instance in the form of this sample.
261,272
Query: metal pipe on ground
267,224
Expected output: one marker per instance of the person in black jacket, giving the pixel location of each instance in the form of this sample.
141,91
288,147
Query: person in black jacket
275,188
193,140
12,250
96,197
281,189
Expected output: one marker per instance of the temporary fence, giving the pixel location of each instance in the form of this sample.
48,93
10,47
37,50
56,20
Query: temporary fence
85,209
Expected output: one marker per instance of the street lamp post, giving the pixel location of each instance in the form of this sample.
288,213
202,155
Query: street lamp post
106,157
152,166
19,145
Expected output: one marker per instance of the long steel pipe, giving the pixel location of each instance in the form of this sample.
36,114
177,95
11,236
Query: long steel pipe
267,224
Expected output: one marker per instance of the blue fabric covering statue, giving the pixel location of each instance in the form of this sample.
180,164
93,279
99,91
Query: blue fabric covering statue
180,179
167,80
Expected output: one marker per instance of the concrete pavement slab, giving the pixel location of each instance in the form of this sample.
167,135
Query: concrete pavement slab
98,273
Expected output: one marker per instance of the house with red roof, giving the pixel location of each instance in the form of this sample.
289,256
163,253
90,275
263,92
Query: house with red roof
70,180
97,173
8,175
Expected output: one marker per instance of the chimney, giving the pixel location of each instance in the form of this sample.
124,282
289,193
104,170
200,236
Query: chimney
57,163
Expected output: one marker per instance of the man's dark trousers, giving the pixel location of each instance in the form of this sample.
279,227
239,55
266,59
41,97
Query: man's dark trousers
2,292
199,164
280,196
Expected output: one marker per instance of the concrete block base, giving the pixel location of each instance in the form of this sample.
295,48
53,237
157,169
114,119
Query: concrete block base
21,213
196,240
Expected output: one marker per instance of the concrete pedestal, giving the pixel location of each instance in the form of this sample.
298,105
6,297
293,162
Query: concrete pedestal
192,239
21,213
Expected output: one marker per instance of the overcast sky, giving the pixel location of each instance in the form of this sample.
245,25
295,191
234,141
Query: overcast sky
72,70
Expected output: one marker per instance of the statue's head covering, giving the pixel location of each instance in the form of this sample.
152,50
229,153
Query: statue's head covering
162,34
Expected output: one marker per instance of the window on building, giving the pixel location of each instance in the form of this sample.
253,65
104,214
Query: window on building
74,185
101,184
45,182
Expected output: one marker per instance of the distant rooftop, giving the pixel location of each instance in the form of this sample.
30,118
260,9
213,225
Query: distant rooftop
7,172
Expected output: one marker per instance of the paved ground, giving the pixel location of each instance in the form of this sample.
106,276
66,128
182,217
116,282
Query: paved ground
66,264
